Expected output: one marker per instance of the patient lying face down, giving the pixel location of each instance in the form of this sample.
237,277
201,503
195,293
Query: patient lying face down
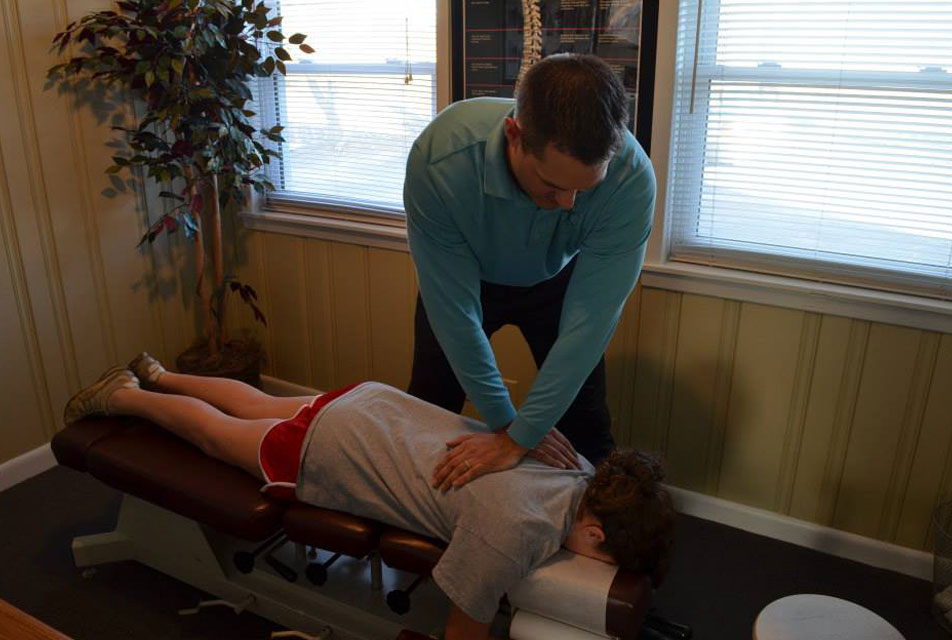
369,450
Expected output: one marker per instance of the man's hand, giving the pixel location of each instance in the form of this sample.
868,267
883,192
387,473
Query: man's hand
556,451
475,455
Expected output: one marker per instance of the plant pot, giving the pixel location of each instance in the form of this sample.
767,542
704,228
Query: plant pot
239,360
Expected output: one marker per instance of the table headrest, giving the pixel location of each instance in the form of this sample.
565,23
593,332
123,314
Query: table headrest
585,593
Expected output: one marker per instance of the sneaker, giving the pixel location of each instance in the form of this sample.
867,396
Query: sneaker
93,399
147,369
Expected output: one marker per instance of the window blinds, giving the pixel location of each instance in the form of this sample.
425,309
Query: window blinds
814,138
352,109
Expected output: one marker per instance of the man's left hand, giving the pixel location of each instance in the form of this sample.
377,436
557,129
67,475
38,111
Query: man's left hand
474,455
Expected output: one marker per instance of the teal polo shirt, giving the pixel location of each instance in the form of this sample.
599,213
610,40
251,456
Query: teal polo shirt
468,221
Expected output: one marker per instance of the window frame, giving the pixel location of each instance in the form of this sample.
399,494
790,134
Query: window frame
805,291
341,221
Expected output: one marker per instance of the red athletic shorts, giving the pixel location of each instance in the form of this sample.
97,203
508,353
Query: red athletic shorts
279,454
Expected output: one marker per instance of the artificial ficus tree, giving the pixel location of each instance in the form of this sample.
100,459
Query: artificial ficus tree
187,64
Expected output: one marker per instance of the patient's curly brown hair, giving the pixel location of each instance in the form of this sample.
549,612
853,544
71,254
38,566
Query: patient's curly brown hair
635,511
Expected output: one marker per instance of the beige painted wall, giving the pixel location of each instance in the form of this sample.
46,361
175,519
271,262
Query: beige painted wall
838,421
75,294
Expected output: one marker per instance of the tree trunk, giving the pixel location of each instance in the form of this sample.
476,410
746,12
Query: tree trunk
214,230
201,290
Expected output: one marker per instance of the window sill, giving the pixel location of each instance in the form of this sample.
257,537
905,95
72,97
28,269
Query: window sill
370,231
804,295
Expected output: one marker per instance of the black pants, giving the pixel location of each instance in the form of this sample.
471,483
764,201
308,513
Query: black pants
535,311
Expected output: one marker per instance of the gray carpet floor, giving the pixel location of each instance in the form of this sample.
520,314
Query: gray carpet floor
720,579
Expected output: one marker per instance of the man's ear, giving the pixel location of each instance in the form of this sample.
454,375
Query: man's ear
513,131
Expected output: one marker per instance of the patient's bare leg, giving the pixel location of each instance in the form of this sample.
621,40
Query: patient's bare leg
231,396
232,440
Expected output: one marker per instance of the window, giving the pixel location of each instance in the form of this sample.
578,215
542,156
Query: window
814,139
352,109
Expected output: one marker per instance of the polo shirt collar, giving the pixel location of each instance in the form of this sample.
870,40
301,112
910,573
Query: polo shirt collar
497,179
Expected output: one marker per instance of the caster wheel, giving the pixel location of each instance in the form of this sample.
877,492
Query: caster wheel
398,601
244,561
317,574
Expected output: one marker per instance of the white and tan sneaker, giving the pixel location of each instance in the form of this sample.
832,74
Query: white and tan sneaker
147,369
93,400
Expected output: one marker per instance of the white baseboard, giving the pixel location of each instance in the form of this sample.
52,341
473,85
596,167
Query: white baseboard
851,546
24,467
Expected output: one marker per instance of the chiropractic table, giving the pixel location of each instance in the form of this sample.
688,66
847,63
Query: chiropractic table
207,523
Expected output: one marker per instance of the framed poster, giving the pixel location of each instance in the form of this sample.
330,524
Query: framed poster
493,40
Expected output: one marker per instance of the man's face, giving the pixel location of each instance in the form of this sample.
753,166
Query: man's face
553,180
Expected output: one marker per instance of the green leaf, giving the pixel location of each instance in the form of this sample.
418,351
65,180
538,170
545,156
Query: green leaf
297,38
178,64
306,48
275,36
268,66
282,54
281,68
114,169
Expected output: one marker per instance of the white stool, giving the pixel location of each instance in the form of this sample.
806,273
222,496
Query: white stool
808,616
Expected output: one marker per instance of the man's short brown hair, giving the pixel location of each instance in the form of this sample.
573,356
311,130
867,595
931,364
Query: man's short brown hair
635,510
575,102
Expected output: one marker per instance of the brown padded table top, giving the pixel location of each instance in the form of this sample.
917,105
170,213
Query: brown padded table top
141,459
331,530
72,444
409,551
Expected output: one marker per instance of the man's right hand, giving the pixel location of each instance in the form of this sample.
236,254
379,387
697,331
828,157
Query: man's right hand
555,450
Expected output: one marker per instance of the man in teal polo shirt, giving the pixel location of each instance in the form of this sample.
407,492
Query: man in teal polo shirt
534,213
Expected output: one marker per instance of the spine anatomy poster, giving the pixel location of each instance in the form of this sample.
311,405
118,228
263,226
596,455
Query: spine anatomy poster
501,38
